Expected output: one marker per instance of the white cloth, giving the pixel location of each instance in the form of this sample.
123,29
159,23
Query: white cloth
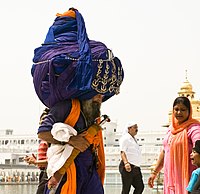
131,148
57,154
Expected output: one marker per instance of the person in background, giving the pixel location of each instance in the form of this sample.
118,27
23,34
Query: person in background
178,143
129,166
195,158
41,162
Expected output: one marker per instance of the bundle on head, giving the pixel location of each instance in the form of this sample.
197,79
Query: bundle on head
68,65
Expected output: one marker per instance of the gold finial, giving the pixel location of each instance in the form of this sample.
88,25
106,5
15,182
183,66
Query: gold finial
186,74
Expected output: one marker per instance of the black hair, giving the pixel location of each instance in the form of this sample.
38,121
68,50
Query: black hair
182,100
197,146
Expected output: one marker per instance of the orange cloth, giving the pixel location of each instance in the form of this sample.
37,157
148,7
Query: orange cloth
101,158
180,137
69,13
70,186
74,114
94,136
99,145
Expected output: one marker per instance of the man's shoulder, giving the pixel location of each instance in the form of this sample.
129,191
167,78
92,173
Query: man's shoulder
62,108
124,137
65,103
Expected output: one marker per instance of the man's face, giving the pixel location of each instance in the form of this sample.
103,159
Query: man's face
91,108
133,130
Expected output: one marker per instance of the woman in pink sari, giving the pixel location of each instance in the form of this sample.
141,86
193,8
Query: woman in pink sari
177,146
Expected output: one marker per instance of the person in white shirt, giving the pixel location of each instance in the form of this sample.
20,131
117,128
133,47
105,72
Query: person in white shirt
129,166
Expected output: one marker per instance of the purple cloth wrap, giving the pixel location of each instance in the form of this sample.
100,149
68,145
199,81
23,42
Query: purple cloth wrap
69,65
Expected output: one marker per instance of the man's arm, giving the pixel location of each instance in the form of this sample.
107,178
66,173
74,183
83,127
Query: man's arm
33,160
158,167
124,158
127,165
47,136
49,117
78,142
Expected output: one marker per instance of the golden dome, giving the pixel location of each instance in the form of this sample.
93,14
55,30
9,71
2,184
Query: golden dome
187,86
186,90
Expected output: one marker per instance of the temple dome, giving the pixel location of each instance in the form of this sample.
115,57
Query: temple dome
186,90
187,86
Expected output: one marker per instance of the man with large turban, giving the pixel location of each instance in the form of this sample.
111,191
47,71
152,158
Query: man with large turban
72,76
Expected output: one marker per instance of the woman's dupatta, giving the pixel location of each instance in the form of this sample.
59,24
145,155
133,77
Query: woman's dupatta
179,155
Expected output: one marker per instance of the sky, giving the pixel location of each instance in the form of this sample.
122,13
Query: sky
155,40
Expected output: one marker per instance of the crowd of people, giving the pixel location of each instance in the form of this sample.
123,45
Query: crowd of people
180,156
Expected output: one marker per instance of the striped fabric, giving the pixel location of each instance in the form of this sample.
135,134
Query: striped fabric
42,152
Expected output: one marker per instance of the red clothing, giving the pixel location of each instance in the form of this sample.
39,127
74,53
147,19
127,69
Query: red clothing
42,152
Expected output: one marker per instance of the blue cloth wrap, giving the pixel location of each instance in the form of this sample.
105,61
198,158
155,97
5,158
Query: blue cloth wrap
68,62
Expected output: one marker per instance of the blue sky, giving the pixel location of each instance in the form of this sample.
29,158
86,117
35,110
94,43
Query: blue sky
155,40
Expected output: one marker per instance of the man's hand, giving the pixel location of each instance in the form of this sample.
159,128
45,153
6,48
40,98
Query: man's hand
30,159
79,142
54,180
127,166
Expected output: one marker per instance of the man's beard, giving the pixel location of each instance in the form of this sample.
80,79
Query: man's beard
91,110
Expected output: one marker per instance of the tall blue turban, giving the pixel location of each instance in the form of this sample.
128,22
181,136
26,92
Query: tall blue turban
68,65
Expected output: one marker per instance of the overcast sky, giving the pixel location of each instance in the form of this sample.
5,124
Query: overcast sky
155,40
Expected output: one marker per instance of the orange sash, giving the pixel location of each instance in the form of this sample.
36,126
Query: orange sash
70,185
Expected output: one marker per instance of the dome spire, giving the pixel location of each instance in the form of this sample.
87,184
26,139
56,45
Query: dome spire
186,75
186,88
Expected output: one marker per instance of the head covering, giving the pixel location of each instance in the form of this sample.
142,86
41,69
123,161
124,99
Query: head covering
176,128
197,146
69,65
128,124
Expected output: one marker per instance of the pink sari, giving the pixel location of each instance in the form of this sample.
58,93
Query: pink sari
177,165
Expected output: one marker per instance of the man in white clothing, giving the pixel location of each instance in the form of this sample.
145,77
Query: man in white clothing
129,166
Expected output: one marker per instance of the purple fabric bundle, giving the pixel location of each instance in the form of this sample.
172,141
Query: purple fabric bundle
69,65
